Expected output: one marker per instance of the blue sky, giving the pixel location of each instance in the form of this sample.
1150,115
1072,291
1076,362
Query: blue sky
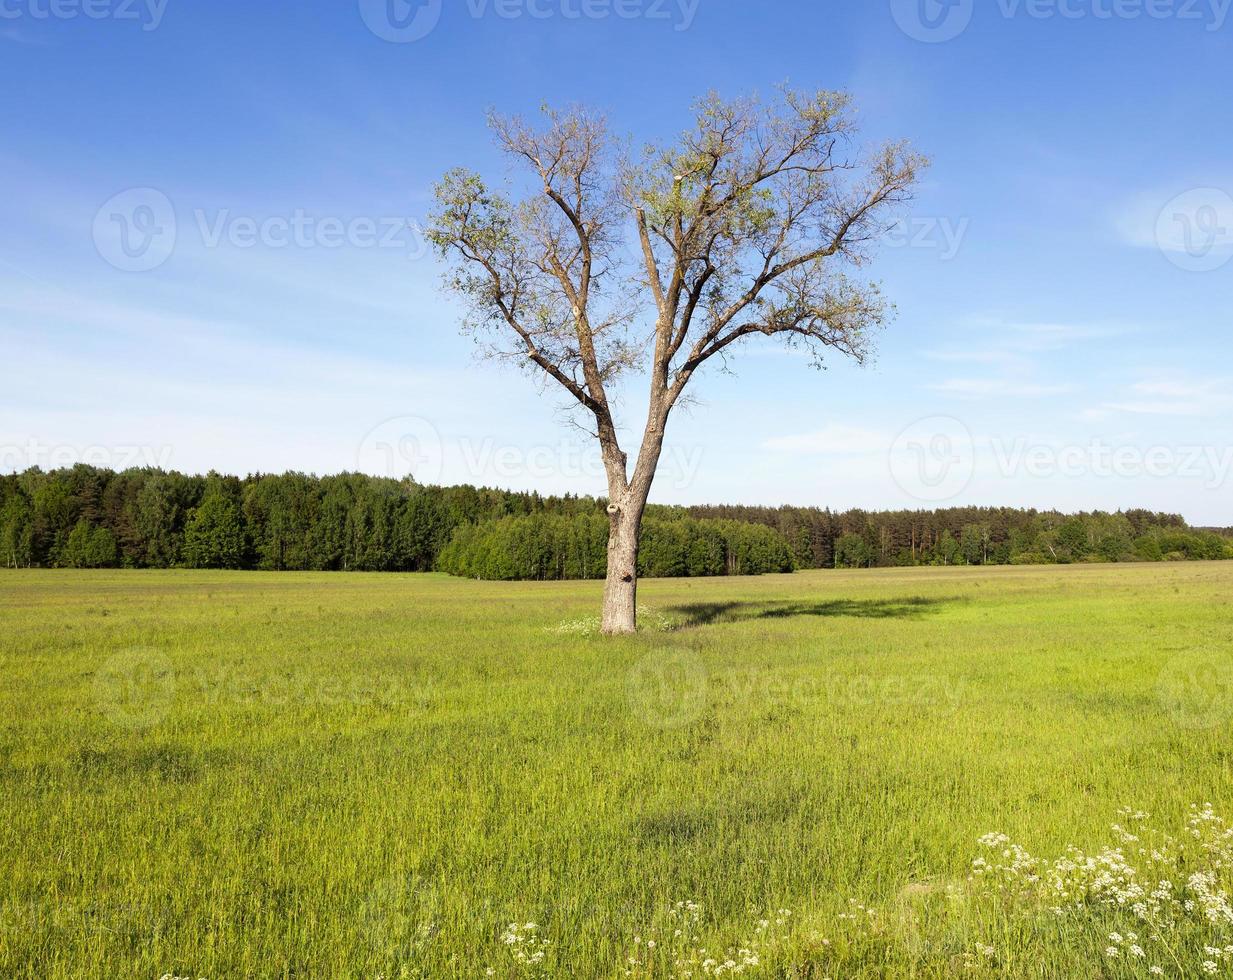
1063,279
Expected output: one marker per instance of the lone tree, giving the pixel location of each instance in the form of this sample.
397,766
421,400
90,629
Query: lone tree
742,228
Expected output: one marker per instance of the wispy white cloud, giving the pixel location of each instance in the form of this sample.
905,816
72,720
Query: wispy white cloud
1179,219
1057,336
970,356
13,35
832,439
1040,337
997,388
1169,398
1018,349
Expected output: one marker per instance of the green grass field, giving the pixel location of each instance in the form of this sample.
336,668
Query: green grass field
255,775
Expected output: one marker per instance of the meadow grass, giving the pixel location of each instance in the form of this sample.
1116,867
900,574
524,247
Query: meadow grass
297,775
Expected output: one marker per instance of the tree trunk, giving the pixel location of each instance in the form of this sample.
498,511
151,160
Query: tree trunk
627,504
621,587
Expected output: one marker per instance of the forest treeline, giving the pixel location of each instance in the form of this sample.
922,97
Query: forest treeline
85,517
575,546
979,536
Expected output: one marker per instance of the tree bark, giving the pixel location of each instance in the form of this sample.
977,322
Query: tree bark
628,504
621,588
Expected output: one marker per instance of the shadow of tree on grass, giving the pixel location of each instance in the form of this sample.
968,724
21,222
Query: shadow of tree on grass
708,613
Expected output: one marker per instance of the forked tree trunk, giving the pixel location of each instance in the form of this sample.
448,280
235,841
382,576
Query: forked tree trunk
627,505
621,587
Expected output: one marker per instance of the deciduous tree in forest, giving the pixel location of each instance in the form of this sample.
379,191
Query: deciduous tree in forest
214,535
745,227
